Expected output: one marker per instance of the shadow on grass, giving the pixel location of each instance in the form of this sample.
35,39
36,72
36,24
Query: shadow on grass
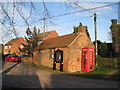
99,74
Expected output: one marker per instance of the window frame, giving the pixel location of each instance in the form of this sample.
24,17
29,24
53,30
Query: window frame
51,53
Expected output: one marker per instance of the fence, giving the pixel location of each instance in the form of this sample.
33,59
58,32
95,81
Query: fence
108,62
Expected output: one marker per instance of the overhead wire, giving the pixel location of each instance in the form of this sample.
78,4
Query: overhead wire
76,12
91,11
72,20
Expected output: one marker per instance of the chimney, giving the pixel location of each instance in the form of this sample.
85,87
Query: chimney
82,29
114,25
114,21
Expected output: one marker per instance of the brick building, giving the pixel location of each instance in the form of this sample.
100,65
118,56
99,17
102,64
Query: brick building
13,46
71,46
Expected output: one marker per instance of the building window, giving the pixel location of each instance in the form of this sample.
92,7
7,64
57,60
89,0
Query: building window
5,52
21,46
39,42
51,53
9,46
6,47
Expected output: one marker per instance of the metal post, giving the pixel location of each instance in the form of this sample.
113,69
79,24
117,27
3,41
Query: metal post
95,26
44,27
119,12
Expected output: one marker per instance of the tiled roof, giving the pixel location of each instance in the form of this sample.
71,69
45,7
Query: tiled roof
40,35
12,41
60,41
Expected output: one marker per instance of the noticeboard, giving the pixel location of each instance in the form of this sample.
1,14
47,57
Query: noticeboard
58,56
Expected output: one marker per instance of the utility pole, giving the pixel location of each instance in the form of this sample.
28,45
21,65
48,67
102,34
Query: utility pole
44,27
119,12
95,26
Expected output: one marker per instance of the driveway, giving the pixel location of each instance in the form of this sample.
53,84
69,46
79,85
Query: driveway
20,75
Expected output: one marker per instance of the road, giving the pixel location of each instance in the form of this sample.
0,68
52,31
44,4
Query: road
20,75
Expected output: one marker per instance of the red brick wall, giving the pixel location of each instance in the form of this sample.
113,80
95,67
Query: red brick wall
75,48
35,56
15,46
42,58
71,61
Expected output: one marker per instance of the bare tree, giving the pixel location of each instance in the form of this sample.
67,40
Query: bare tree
11,12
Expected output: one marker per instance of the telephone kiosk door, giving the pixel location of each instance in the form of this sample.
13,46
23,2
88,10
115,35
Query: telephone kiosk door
87,59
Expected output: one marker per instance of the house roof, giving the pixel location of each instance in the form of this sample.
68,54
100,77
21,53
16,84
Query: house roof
60,41
12,41
46,34
40,35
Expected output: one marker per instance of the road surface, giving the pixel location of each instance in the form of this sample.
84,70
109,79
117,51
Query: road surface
20,75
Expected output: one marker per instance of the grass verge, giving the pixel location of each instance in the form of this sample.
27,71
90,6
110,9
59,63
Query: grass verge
46,68
100,74
96,74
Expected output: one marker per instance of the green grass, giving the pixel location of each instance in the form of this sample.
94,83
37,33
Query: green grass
99,74
99,71
47,69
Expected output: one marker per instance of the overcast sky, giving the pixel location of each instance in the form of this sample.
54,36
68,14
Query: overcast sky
64,24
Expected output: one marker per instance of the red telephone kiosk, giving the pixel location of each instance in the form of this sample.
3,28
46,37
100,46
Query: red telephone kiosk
88,61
